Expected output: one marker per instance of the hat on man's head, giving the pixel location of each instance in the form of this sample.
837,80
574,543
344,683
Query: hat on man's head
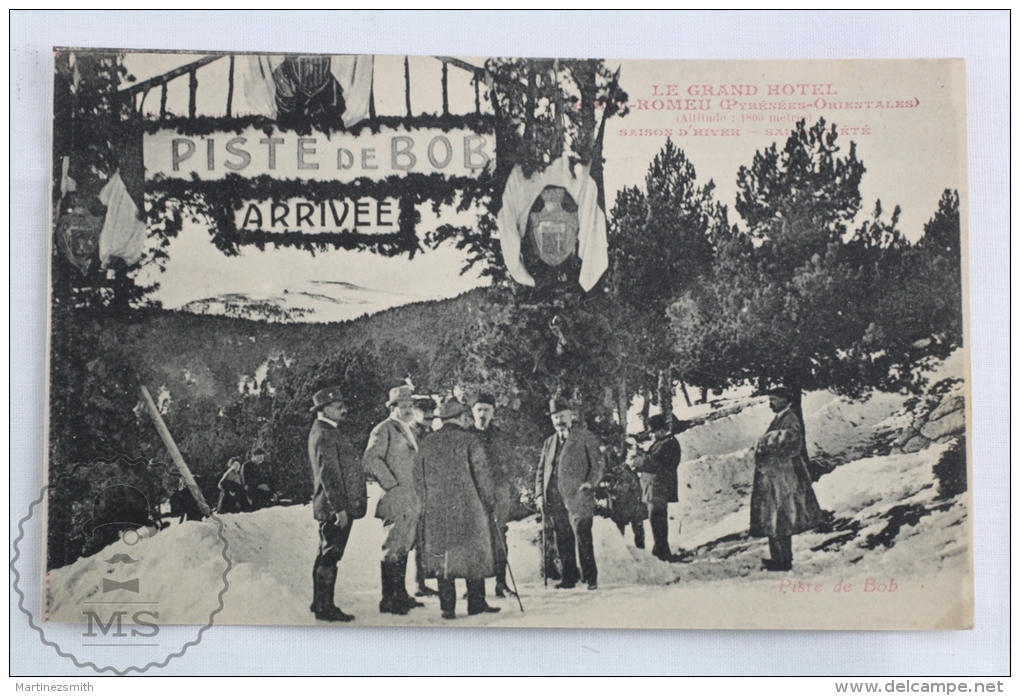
485,398
258,450
402,393
781,392
425,404
559,404
452,408
320,398
659,422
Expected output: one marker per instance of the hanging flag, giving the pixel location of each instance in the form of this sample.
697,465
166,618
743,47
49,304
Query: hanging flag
67,184
264,79
354,73
554,238
259,86
123,234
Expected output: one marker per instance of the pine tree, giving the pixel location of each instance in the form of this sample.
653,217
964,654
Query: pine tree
662,241
801,300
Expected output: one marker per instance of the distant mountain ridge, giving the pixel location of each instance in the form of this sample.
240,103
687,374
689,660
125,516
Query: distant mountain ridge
319,301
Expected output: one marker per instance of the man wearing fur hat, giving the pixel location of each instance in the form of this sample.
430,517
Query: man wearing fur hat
389,459
783,502
459,499
338,497
571,466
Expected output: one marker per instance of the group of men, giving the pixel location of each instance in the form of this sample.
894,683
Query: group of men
448,495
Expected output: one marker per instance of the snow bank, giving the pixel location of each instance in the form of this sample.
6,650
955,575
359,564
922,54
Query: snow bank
181,569
619,561
887,520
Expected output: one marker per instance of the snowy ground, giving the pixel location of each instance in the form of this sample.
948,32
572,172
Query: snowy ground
889,530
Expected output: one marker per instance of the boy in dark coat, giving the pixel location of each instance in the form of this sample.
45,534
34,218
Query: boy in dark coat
627,506
339,497
658,472
258,487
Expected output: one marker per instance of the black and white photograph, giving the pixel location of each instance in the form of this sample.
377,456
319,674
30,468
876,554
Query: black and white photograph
516,342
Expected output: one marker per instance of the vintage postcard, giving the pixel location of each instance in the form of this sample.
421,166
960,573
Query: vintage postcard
427,340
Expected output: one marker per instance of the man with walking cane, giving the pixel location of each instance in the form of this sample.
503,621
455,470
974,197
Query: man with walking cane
571,466
498,453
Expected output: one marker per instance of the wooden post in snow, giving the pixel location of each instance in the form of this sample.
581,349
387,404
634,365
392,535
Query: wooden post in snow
175,453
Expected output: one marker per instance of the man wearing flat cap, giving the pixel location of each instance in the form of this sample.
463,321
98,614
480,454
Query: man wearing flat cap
389,459
458,496
571,466
783,502
338,497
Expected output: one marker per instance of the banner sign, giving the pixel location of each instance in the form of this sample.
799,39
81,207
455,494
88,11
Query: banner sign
364,215
318,156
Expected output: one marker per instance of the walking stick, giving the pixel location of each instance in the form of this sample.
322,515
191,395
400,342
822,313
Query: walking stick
545,567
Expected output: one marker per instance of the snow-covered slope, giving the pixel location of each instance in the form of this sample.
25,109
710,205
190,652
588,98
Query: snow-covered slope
888,523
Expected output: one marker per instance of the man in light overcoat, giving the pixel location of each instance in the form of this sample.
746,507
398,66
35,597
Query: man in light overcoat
389,459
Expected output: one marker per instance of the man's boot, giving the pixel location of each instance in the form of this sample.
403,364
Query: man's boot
389,603
502,590
419,577
448,598
400,585
476,599
323,587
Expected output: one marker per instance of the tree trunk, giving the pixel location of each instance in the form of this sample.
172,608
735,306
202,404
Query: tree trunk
664,392
683,389
622,402
704,395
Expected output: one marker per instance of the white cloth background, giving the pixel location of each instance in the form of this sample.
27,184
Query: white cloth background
123,234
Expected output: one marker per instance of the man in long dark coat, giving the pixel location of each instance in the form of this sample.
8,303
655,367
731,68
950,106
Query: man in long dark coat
458,500
424,414
498,453
657,470
783,502
338,497
571,466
